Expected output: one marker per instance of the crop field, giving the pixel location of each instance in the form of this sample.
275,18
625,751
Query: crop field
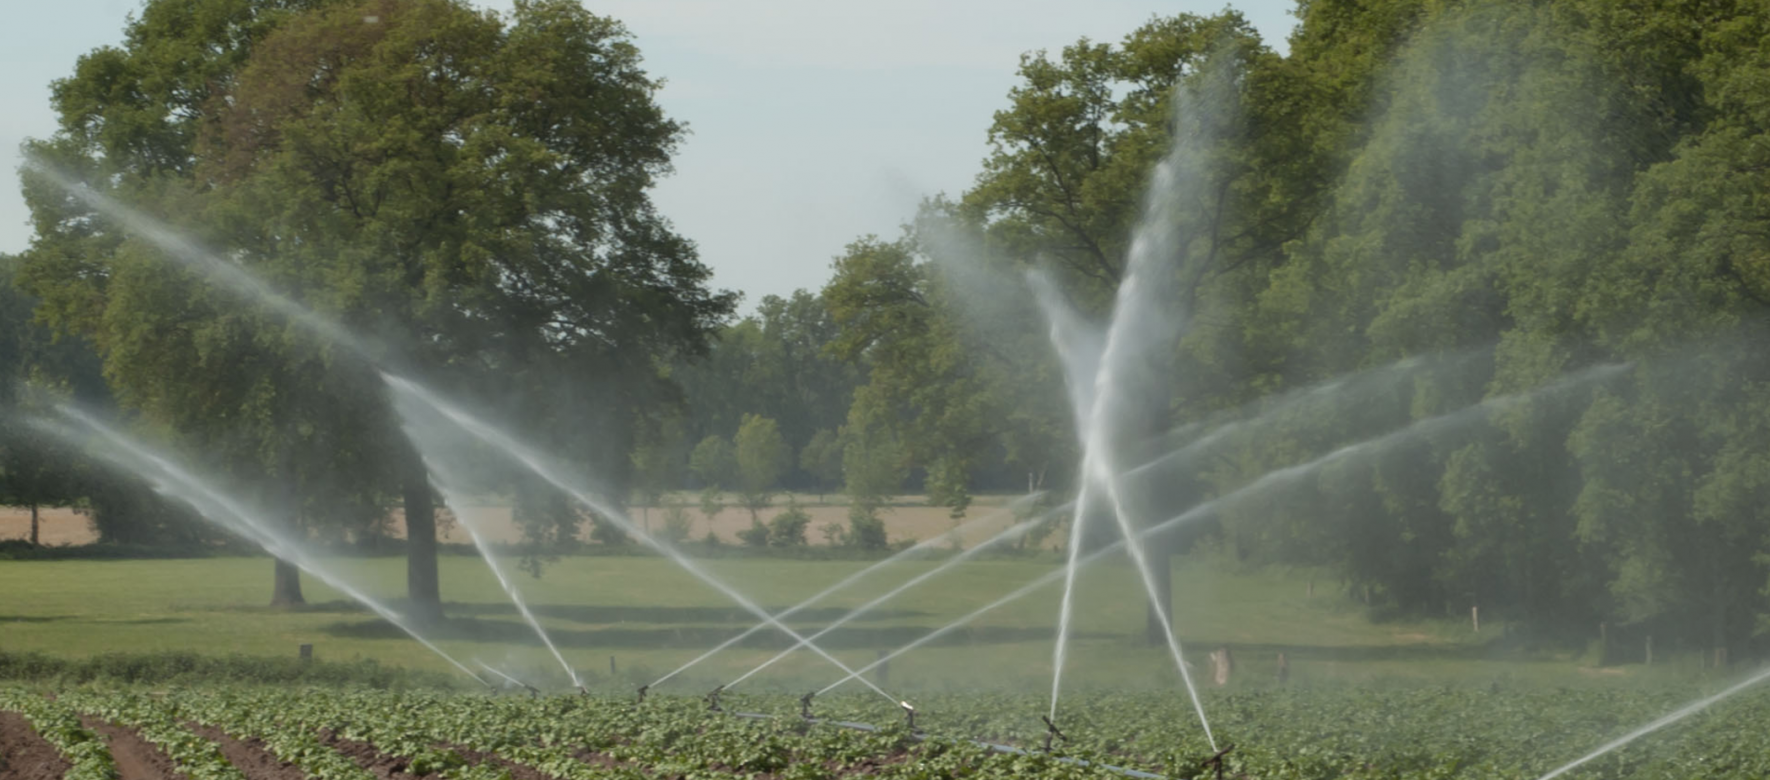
261,733
1363,699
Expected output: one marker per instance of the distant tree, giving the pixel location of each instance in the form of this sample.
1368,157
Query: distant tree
714,462
657,461
873,468
711,506
822,459
763,457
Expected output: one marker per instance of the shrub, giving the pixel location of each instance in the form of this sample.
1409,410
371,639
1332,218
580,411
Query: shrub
756,535
865,529
677,523
787,529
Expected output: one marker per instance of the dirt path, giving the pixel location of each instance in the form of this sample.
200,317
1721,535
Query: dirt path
26,756
137,758
250,756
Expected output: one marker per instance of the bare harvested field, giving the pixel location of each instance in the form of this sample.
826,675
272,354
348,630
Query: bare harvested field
905,521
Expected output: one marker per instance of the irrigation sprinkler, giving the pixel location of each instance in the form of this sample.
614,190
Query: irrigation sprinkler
713,699
642,691
805,705
909,715
993,747
1216,760
1051,731
533,691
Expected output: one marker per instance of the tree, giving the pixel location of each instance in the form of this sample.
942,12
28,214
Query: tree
473,192
35,470
714,462
762,459
822,459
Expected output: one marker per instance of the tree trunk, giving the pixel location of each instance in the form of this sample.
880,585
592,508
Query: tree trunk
423,589
1160,620
33,525
286,590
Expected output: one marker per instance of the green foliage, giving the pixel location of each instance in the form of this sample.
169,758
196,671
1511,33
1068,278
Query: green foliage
714,462
59,723
754,536
822,459
763,457
471,188
1297,733
787,528
865,530
677,523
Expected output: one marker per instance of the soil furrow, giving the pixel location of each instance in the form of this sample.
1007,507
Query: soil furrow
382,765
26,756
137,758
250,756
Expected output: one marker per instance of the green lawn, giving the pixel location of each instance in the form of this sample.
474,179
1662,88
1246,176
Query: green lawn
650,617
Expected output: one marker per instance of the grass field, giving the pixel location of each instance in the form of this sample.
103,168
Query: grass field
649,617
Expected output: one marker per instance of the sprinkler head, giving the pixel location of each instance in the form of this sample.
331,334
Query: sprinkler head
713,699
642,690
1217,760
805,705
909,714
1051,731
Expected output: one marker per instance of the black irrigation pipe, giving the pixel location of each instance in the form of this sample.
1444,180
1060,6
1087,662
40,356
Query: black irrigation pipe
992,746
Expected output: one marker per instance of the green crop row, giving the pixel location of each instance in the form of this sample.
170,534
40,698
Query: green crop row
1277,734
59,723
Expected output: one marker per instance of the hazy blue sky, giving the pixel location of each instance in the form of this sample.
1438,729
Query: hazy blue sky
813,122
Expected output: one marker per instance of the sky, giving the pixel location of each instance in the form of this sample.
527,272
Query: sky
812,123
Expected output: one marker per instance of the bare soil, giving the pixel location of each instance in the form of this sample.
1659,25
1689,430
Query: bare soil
58,526
517,771
61,526
250,756
137,758
26,756
377,763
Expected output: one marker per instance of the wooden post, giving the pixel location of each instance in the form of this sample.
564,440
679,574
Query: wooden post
306,652
1475,618
1284,669
882,672
1603,643
1649,650
1309,592
611,666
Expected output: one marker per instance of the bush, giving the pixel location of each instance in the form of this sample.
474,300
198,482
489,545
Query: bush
865,529
787,529
756,535
607,532
677,523
834,534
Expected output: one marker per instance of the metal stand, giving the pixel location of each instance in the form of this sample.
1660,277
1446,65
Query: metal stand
1051,731
909,714
1217,760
